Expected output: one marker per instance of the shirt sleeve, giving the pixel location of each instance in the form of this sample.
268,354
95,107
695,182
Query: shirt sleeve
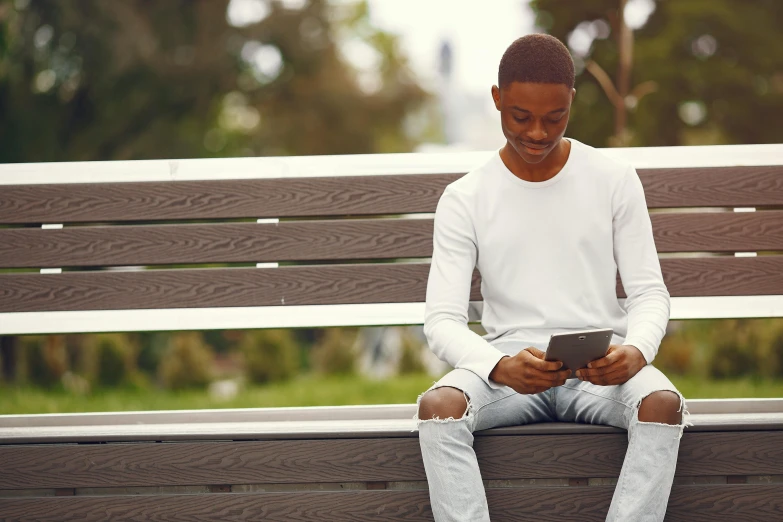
454,257
648,300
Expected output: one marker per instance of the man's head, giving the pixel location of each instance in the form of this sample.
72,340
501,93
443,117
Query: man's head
534,94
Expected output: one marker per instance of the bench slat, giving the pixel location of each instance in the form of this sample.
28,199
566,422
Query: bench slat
339,196
687,503
332,240
327,284
506,457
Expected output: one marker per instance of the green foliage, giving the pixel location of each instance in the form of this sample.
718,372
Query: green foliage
270,355
97,80
726,348
726,61
334,353
410,355
115,358
186,363
45,359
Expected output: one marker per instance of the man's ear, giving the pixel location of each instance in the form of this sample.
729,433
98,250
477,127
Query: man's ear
573,94
496,96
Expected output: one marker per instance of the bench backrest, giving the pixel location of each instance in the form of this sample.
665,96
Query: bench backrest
326,241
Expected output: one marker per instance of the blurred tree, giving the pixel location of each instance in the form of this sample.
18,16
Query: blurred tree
705,72
97,80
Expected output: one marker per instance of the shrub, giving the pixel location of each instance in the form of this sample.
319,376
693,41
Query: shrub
113,359
270,355
186,362
45,359
334,352
410,353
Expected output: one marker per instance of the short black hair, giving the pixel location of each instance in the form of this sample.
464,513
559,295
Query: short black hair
536,58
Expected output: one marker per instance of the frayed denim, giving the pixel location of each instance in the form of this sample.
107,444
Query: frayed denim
642,491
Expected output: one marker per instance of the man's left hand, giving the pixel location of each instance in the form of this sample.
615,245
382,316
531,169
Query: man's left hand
620,363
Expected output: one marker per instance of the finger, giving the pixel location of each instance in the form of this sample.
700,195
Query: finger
535,351
610,379
610,358
538,363
590,373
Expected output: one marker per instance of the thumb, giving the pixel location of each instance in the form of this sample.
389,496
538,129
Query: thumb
535,352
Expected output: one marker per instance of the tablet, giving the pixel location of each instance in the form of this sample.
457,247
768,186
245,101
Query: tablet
576,349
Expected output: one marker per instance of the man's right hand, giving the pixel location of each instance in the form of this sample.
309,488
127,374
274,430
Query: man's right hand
527,372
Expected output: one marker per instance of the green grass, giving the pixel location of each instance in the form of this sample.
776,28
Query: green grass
307,390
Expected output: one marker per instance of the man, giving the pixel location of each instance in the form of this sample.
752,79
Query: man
549,222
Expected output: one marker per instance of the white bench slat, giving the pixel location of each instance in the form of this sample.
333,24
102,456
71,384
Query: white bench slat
316,316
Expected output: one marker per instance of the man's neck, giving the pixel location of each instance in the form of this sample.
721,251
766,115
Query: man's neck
536,172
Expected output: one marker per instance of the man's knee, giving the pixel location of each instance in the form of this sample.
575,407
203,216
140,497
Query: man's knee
663,407
442,403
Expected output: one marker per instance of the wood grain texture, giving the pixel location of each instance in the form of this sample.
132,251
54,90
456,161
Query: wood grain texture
341,460
691,503
331,240
259,198
216,243
327,284
713,186
336,196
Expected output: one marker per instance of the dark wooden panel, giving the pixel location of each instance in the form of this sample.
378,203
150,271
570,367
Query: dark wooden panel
327,284
350,195
259,198
718,231
713,186
692,503
331,240
216,243
394,459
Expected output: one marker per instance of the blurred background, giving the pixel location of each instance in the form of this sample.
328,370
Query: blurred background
88,80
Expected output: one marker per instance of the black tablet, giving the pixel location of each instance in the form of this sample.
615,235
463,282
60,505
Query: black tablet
576,349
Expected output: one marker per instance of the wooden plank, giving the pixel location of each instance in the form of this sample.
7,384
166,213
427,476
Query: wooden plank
336,196
713,186
216,243
258,198
331,240
347,460
687,503
718,231
327,284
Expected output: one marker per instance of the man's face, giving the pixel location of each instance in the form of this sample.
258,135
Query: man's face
534,116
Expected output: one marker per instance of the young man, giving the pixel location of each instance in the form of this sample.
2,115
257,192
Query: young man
549,222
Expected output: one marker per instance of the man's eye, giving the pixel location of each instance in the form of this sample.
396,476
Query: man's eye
555,121
520,120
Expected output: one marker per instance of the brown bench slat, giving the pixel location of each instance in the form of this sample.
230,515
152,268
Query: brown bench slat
713,186
257,198
331,240
217,243
687,503
326,284
336,196
340,460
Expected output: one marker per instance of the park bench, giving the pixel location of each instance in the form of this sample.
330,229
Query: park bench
353,235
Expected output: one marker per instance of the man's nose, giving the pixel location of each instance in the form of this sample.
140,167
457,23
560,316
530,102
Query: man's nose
536,132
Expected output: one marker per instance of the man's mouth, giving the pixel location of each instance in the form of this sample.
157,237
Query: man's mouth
535,148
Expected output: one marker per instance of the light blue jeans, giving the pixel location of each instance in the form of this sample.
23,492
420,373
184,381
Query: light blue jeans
642,491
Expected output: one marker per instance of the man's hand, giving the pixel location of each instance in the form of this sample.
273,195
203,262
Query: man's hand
527,372
620,363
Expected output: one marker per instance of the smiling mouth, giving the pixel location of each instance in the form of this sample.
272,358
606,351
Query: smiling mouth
535,148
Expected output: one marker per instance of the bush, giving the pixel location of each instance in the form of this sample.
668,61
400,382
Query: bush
334,352
109,359
186,363
45,359
270,355
410,354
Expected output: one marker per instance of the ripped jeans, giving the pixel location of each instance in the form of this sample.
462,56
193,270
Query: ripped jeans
642,491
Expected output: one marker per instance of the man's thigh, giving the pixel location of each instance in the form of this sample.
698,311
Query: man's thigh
582,401
494,407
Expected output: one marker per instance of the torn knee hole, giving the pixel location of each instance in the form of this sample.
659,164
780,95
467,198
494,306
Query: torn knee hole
443,404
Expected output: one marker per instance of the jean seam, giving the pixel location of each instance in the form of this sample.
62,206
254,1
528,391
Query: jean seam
496,400
598,395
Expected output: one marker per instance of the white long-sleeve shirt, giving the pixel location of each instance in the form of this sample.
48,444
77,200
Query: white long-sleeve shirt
548,253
